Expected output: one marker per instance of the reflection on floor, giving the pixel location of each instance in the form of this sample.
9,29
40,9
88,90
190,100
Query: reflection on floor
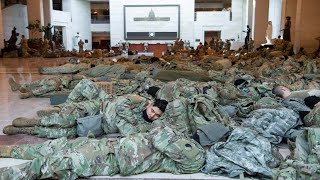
26,70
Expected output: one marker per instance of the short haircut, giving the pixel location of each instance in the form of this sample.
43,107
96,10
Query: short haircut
153,91
277,91
311,101
161,104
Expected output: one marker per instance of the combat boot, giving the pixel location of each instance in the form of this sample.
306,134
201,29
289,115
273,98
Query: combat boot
5,151
24,90
25,95
14,85
25,122
48,111
11,130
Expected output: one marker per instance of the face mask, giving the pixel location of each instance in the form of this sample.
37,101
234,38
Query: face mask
145,116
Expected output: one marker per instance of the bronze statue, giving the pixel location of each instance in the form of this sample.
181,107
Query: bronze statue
48,32
13,39
246,40
286,30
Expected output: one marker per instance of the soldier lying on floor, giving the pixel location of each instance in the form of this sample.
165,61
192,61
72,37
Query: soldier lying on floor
125,114
161,150
44,87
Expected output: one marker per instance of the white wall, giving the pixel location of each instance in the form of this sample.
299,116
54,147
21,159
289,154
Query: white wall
100,27
220,21
81,21
275,8
62,18
15,16
117,19
1,30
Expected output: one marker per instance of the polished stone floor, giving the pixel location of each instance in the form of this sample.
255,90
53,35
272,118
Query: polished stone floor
26,70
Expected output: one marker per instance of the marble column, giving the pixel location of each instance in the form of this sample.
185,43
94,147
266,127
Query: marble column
1,30
260,21
275,8
250,16
35,12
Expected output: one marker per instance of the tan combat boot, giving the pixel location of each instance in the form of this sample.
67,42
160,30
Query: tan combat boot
48,111
11,130
23,89
25,122
5,151
25,95
14,85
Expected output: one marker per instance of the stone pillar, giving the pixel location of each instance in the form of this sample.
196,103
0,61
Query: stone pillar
275,8
260,21
35,12
298,28
1,30
47,9
250,16
244,17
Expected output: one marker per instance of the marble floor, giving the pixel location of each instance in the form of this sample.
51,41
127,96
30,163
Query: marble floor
26,70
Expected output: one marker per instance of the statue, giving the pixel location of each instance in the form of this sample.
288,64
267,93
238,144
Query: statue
48,32
24,47
57,37
269,33
76,41
145,46
45,46
187,44
13,39
80,44
286,30
246,40
181,44
228,44
251,45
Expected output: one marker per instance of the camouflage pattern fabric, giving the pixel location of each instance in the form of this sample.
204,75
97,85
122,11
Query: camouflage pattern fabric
185,88
65,69
45,86
313,117
204,109
104,70
242,152
170,75
62,124
305,161
176,115
272,123
124,115
161,150
84,100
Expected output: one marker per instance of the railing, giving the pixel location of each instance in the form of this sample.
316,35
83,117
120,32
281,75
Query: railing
100,19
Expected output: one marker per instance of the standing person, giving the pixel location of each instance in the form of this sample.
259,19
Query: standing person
286,30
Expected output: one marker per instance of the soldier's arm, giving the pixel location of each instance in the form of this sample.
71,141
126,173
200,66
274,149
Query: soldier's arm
128,120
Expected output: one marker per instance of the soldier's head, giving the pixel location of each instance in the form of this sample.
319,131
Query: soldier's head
281,91
153,91
155,110
312,101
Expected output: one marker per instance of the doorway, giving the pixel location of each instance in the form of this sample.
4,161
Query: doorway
208,35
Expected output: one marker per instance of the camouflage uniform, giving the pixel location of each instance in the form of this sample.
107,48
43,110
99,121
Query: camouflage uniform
84,100
104,70
122,114
161,150
44,86
64,69
304,163
185,88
